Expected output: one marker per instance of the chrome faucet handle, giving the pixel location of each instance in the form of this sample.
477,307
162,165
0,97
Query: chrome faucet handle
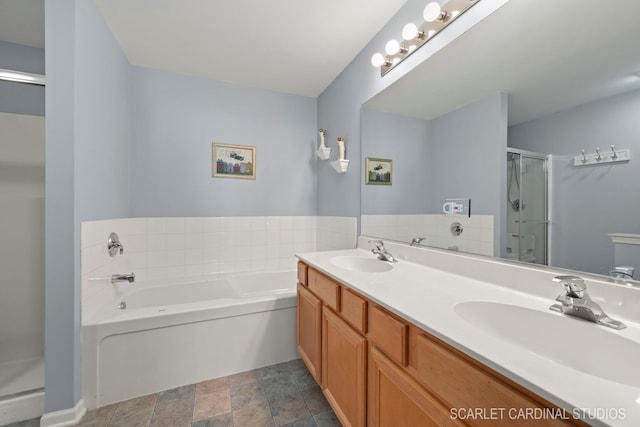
574,285
416,241
378,243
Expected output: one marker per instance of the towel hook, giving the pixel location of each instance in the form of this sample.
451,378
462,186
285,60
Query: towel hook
614,155
598,157
584,158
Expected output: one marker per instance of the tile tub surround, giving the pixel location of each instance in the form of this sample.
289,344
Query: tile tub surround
159,249
276,395
476,238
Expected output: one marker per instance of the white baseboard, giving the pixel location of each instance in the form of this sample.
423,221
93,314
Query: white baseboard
21,408
66,417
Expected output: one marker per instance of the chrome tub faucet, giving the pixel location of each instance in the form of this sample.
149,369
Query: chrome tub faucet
381,251
123,278
576,302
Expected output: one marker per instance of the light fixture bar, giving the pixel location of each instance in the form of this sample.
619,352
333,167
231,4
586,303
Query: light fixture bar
22,77
440,18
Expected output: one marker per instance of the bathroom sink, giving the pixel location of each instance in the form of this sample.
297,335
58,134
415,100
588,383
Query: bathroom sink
571,342
361,264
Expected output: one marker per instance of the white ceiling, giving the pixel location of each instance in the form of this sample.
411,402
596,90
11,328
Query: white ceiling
548,55
291,46
22,22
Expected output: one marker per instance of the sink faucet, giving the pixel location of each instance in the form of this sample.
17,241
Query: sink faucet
576,302
381,251
123,278
416,241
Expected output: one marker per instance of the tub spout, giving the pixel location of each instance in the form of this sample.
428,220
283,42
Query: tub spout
123,278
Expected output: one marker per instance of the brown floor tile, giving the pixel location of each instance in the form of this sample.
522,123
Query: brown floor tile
315,400
327,419
134,412
304,380
244,378
296,365
288,410
305,422
224,420
138,419
253,416
212,404
98,417
209,386
173,413
280,386
184,392
247,395
274,370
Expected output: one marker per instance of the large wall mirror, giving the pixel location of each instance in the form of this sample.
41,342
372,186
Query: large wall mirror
501,117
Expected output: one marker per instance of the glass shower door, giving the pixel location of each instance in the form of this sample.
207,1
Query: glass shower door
527,209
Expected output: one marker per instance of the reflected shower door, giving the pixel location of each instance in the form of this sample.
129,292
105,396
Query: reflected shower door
527,209
533,223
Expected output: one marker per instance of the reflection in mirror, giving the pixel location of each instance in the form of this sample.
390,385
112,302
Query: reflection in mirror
568,90
436,160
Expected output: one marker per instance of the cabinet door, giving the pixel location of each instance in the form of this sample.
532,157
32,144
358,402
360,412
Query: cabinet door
397,400
309,335
344,361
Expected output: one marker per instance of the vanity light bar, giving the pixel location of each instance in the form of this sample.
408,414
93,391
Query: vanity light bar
22,77
436,19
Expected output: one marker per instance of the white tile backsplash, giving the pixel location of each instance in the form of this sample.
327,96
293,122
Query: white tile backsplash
157,249
477,236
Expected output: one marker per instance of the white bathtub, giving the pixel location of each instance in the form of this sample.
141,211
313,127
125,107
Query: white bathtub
174,334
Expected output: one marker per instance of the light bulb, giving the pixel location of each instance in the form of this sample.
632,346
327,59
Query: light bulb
377,60
410,31
392,47
432,12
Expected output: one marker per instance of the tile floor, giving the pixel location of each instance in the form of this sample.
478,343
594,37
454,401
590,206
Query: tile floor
279,395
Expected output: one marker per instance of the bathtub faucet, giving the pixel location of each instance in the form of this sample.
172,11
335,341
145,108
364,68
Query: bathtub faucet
123,278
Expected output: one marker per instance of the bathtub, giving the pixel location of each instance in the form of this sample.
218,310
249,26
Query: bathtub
174,333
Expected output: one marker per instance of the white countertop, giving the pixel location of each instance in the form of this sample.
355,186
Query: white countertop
426,297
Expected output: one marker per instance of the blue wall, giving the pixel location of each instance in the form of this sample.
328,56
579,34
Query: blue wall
87,164
588,201
21,98
406,141
176,120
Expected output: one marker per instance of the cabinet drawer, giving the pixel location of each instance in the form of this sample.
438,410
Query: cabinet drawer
354,310
461,384
302,273
325,288
390,335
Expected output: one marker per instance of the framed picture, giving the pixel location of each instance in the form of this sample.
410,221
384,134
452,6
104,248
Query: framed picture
378,171
234,161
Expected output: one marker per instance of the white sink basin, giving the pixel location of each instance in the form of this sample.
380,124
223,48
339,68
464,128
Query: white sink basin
574,343
361,264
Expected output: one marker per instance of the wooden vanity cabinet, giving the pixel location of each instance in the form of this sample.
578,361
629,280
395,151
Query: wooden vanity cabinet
396,399
344,369
331,321
377,369
309,331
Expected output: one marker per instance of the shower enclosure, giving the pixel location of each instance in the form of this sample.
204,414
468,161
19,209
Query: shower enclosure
21,261
527,207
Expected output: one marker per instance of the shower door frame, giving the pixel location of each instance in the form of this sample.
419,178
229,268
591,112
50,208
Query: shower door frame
547,207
